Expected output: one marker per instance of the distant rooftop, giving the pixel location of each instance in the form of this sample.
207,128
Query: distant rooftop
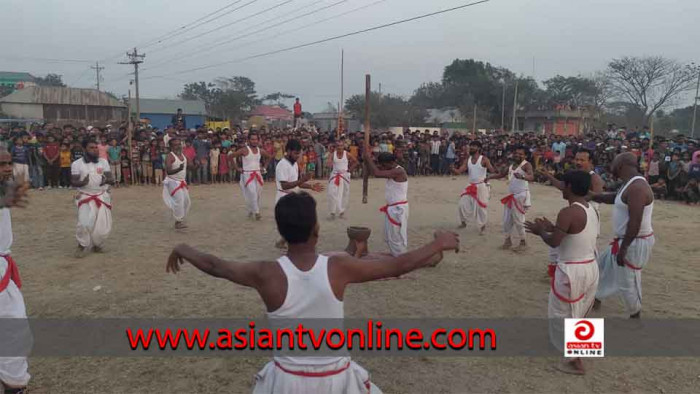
62,96
16,76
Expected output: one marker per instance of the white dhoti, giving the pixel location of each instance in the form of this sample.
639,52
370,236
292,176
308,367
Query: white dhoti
625,280
473,204
514,208
344,376
339,192
572,293
252,186
396,227
94,218
176,197
13,370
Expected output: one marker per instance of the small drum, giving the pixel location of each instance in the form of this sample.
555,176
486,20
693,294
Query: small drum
360,234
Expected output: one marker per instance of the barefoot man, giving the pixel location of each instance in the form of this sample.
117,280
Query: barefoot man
516,203
13,370
92,176
622,262
575,280
339,182
584,161
287,176
251,178
306,285
396,209
175,193
473,202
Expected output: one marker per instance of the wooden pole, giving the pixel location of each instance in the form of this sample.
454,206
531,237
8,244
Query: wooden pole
515,107
342,93
474,121
365,172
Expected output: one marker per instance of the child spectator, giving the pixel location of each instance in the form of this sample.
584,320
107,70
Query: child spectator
126,167
223,165
114,152
214,154
65,162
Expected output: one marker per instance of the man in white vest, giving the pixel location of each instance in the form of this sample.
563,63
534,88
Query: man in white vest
175,190
92,175
517,202
306,285
343,165
473,203
251,177
622,262
575,279
13,370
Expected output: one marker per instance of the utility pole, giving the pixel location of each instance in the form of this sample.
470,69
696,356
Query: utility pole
136,59
515,106
695,104
97,69
365,171
341,106
474,121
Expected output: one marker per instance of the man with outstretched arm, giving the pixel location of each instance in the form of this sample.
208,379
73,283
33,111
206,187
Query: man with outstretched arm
473,203
306,285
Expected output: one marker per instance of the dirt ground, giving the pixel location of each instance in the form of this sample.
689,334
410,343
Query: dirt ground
481,281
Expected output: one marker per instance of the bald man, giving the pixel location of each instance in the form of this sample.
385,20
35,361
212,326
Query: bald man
622,262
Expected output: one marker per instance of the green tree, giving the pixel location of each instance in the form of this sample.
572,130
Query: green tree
386,110
277,99
226,98
50,80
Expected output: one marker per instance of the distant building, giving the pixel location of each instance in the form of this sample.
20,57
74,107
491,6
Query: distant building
270,116
328,121
160,112
556,121
62,105
16,80
444,115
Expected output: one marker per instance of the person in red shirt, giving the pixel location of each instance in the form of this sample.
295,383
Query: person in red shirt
297,113
53,164
191,156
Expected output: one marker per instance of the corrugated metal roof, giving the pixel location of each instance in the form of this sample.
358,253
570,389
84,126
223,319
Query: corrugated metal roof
169,107
15,76
61,96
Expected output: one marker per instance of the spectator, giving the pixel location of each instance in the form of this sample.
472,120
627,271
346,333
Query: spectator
53,164
66,158
20,160
202,146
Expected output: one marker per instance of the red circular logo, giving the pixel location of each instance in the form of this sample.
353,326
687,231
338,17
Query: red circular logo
584,330
99,171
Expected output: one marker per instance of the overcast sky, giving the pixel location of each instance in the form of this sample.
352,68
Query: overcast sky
562,36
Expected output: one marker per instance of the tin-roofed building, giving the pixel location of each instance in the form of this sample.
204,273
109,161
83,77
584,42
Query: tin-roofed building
16,80
63,105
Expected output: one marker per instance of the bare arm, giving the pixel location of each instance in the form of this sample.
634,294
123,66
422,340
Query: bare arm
240,273
604,198
498,175
353,270
529,174
487,163
169,170
637,198
107,179
554,181
461,168
75,181
597,183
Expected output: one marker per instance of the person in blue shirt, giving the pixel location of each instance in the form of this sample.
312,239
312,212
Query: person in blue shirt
20,160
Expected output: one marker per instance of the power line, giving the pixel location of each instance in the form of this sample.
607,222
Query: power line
41,59
178,30
226,25
331,38
226,41
97,69
182,32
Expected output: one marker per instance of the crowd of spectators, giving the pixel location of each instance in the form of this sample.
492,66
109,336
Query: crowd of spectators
43,154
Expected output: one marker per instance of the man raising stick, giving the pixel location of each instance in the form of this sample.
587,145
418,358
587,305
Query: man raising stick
287,176
13,370
175,193
622,262
474,201
396,193
575,279
339,183
92,176
584,162
306,285
251,178
516,203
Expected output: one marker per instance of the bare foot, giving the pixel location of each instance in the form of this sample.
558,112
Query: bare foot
520,248
180,225
258,216
80,252
573,367
507,244
637,315
463,225
482,230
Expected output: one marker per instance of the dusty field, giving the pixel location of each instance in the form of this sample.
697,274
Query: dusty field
481,281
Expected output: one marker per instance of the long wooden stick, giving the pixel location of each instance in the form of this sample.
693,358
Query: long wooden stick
365,172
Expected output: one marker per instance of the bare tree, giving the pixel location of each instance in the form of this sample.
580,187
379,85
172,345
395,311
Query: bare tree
648,83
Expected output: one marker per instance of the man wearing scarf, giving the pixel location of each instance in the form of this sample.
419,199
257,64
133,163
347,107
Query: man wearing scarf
92,176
